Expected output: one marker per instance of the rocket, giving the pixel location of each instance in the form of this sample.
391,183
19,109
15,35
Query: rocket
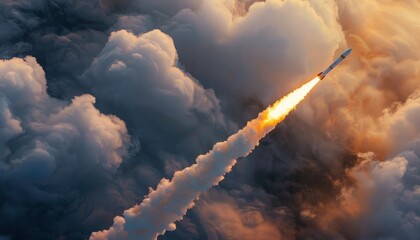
324,73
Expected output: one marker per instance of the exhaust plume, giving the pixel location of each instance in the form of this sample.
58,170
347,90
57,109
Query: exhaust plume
162,207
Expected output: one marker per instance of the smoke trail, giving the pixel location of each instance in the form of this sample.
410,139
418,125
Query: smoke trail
170,201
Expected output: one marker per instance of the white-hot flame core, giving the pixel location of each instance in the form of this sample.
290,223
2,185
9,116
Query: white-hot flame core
162,207
284,106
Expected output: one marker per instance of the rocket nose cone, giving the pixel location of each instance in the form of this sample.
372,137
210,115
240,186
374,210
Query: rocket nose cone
347,52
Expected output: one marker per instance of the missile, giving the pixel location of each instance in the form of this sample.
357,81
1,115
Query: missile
324,73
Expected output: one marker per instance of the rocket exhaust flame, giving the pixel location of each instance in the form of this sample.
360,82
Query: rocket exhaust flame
162,207
281,108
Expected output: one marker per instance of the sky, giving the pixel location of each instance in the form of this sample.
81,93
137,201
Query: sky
103,102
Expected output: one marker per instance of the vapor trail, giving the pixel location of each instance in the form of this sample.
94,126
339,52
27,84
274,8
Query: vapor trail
162,207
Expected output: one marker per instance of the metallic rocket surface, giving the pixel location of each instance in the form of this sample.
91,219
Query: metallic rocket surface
322,74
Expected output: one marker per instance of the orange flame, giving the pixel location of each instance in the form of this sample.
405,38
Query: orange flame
280,109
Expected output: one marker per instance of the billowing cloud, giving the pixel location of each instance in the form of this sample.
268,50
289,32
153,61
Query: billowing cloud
135,76
260,55
382,195
382,73
135,72
49,149
383,200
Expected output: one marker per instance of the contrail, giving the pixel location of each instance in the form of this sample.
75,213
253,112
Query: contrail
162,207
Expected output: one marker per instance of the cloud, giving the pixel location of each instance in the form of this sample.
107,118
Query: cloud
379,197
382,201
154,56
164,7
280,58
51,148
139,79
11,126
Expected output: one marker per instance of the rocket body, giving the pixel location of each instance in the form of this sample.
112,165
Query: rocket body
322,74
